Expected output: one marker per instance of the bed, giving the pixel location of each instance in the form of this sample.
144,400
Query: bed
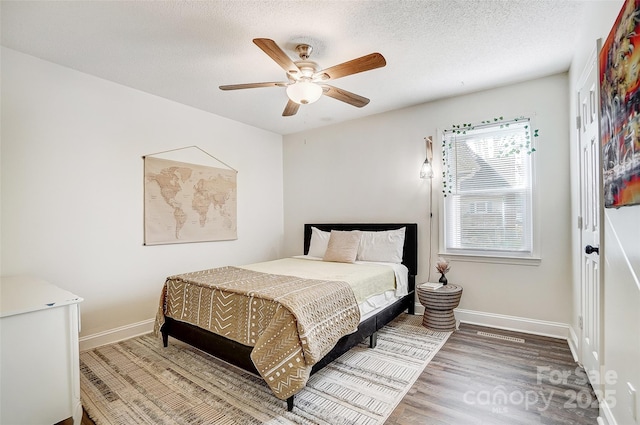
347,326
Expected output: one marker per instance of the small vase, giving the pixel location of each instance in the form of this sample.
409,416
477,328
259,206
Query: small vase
443,279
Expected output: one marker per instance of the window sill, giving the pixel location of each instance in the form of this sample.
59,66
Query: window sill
520,261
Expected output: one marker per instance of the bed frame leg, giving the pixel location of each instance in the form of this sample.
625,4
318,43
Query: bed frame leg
373,340
290,404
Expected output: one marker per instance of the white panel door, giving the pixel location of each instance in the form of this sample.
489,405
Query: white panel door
589,222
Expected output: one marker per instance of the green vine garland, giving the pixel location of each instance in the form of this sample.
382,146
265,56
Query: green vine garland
510,147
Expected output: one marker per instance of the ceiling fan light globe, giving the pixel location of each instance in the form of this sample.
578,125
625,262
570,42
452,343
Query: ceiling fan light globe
304,92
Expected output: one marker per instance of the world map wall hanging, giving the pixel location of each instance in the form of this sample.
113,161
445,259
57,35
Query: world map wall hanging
186,202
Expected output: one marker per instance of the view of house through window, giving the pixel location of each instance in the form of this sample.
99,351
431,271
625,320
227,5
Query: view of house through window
488,189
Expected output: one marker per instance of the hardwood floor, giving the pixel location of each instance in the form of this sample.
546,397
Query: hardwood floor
480,379
476,379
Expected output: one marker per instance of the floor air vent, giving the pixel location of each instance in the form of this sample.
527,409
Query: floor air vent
506,338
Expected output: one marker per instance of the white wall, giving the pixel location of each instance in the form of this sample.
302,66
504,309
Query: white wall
621,257
72,188
367,170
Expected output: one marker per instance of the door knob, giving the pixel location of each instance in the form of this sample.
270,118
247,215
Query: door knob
591,249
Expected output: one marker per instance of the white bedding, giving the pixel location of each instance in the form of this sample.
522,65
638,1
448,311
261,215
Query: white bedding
369,303
400,270
376,303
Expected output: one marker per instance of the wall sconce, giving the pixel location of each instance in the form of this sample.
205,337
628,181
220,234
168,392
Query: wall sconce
426,172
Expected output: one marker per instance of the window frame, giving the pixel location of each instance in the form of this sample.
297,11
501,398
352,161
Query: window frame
531,257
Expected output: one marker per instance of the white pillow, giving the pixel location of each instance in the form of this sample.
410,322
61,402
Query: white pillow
319,241
342,246
385,246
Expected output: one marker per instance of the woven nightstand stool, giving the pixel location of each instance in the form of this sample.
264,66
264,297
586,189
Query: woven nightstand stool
438,307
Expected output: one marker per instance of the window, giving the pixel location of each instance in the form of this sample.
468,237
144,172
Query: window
488,206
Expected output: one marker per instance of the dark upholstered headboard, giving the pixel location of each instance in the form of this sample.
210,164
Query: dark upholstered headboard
410,251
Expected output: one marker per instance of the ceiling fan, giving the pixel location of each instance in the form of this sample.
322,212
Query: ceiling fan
306,82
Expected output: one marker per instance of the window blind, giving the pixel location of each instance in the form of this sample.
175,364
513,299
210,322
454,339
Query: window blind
488,189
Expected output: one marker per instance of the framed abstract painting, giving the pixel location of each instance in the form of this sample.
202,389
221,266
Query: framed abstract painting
619,69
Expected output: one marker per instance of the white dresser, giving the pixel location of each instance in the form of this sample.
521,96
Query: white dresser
39,354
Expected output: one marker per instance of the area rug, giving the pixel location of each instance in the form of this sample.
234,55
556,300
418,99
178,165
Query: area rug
138,381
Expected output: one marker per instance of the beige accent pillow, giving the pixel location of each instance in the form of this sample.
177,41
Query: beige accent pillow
343,246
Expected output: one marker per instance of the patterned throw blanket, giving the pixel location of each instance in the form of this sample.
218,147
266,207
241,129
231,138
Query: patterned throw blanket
290,322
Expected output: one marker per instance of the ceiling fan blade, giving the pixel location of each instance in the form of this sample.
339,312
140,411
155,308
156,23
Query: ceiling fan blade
251,86
275,52
290,109
364,63
344,96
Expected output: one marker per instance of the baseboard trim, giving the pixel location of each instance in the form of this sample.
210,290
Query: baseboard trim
492,320
573,344
606,415
115,335
511,323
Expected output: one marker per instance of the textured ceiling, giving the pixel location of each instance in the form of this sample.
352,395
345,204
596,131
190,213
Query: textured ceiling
183,50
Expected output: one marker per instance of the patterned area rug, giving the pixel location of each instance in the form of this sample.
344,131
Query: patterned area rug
137,381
